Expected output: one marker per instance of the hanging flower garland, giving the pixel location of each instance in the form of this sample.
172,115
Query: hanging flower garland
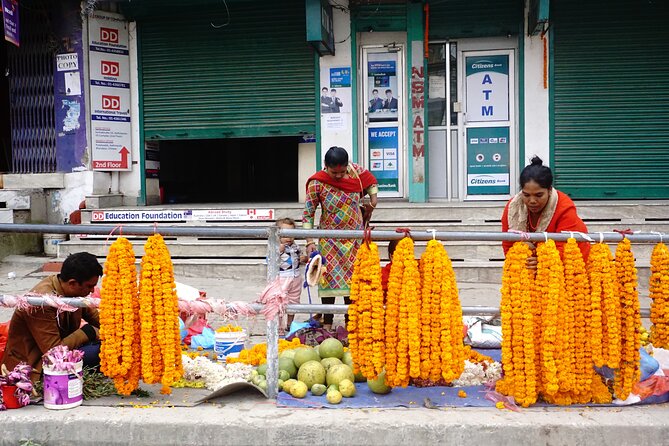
402,315
659,294
366,313
548,288
518,355
578,294
159,312
441,348
119,318
629,372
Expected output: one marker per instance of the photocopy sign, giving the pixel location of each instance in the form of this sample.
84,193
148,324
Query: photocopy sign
487,88
109,69
488,167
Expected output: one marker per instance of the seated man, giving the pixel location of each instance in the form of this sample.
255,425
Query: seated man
35,331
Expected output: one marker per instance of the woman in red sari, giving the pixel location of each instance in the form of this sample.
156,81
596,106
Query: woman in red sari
539,207
338,189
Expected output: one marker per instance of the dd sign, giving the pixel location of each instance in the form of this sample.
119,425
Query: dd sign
109,35
111,102
109,68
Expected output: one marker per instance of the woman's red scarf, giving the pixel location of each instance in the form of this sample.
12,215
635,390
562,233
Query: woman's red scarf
358,184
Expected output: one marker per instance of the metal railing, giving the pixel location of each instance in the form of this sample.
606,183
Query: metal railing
273,234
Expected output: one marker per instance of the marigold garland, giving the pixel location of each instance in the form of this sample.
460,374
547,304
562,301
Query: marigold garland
629,372
518,354
159,313
366,313
659,294
119,318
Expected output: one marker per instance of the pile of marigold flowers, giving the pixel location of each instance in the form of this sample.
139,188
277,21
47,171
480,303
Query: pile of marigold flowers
418,335
257,354
139,327
229,328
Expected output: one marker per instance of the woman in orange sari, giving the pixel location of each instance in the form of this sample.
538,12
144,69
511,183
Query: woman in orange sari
539,207
339,190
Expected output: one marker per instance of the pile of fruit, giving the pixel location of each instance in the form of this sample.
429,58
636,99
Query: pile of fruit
324,370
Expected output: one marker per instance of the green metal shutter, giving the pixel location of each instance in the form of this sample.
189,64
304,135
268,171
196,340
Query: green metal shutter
611,98
252,77
452,19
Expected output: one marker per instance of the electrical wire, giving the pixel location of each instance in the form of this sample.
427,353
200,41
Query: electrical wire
227,10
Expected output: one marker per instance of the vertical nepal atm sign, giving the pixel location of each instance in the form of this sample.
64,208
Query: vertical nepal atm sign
110,91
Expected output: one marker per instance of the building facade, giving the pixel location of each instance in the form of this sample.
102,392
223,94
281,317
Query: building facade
237,101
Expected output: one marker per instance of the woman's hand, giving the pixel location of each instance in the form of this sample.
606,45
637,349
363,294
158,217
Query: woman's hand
531,262
311,248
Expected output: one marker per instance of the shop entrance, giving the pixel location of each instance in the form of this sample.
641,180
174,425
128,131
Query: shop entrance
252,170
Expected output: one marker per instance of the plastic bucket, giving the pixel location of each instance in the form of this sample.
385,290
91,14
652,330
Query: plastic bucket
51,242
229,344
9,397
63,390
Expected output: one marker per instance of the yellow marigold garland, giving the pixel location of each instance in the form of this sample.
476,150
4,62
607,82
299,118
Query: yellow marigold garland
159,312
629,372
548,288
452,347
578,290
518,355
366,313
659,294
119,318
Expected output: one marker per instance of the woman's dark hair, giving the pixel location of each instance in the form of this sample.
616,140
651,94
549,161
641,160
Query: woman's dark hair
81,267
336,156
538,173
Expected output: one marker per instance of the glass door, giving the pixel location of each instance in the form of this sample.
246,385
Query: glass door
383,106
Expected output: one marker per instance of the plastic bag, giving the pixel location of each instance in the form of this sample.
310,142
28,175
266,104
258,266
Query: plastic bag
482,333
205,340
183,331
648,364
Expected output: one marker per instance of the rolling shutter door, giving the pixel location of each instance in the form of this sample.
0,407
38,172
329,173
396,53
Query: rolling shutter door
252,77
611,98
452,19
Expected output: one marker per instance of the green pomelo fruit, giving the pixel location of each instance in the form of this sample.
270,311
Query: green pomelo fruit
290,354
329,362
305,354
311,372
262,369
347,388
378,385
318,389
347,358
299,390
331,348
284,375
333,396
333,387
288,365
339,372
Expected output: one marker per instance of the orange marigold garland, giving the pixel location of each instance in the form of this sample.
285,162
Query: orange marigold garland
629,372
518,359
119,318
452,346
578,293
549,284
366,313
402,315
659,294
159,313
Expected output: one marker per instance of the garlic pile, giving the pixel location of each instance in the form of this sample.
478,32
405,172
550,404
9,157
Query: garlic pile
213,374
476,374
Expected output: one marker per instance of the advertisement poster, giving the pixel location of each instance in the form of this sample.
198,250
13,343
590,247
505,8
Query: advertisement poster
335,97
488,166
109,70
487,88
383,157
10,14
383,102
